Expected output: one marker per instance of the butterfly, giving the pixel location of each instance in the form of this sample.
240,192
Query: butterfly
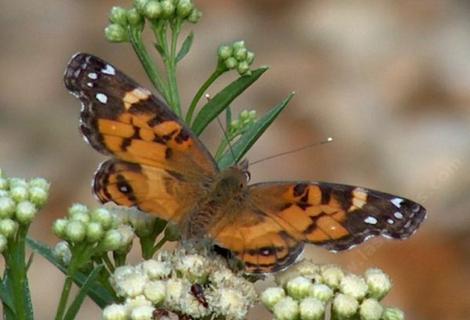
160,167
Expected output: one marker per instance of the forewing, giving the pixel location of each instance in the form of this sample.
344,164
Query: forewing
337,216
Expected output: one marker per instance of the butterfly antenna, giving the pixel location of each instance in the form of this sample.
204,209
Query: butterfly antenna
226,138
327,140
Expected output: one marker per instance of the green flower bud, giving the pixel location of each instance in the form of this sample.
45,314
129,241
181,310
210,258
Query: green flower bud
250,57
321,292
153,10
231,63
25,212
115,33
378,282
393,314
38,196
238,45
344,306
75,231
252,116
312,309
78,208
8,227
118,15
127,235
39,183
142,313
155,291
235,125
184,8
80,216
94,231
135,19
354,286
140,5
103,217
332,275
168,8
195,16
112,240
240,54
3,183
3,243
286,309
271,296
17,182
19,193
225,52
62,252
371,309
243,68
7,207
115,312
244,115
299,287
58,228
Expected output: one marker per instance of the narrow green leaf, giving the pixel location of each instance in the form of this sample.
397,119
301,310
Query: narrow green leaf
228,117
6,300
223,99
78,301
247,139
185,47
101,296
160,49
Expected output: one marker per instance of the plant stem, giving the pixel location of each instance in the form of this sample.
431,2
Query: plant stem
192,107
171,67
159,245
135,37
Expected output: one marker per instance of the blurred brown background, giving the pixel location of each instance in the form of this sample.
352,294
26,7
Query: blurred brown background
390,80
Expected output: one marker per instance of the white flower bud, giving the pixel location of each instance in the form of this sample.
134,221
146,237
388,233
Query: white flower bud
8,227
344,306
59,227
75,231
184,8
94,231
112,240
127,235
321,292
17,182
153,9
102,216
231,63
378,282
271,296
39,183
155,291
156,269
311,309
78,208
225,52
193,267
139,301
371,309
243,67
38,196
168,8
7,207
62,252
115,312
25,212
232,303
393,314
238,45
191,306
332,275
299,287
286,309
19,193
79,216
3,243
142,313
131,285
354,286
174,290
116,33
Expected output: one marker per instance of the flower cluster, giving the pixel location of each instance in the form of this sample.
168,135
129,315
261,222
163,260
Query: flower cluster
20,200
99,230
236,56
240,125
180,283
306,291
154,10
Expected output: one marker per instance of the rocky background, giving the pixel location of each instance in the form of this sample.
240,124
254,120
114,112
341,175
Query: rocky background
390,80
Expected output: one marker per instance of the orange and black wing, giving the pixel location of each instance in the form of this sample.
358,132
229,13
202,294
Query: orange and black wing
158,163
337,217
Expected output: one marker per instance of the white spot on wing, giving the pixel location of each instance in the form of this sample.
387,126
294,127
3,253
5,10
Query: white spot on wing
397,202
398,215
390,221
93,76
370,220
89,84
102,98
109,70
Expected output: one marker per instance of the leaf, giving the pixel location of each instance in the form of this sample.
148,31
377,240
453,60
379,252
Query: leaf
101,296
159,49
223,99
6,300
185,47
78,301
228,117
247,139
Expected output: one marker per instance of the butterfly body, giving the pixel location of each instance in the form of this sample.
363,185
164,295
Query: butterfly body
160,167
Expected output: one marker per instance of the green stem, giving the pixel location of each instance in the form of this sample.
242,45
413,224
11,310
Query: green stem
147,245
159,245
171,68
135,37
16,275
108,263
192,107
